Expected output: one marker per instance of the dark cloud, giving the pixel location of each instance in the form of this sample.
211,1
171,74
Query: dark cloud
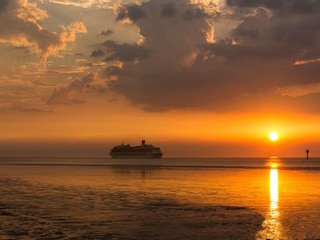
3,5
179,68
168,10
248,3
133,12
98,53
297,32
122,52
107,32
280,6
194,13
253,28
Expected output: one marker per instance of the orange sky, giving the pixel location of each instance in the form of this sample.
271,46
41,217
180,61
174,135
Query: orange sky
194,78
178,133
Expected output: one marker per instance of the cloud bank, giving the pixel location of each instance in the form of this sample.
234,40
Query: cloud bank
179,64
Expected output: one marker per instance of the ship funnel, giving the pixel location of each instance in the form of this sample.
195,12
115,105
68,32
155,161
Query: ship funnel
143,142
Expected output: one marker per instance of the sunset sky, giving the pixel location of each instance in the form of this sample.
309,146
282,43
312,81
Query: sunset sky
198,78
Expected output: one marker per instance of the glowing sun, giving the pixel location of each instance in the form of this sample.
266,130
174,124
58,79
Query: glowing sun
273,136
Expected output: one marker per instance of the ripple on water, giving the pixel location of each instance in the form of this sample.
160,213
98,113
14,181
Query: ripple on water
51,212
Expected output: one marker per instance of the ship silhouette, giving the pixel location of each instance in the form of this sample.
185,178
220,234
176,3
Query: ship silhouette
142,151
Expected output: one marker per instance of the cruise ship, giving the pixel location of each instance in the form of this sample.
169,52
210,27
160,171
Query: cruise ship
142,151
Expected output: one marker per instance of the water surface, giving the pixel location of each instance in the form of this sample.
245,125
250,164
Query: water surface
159,199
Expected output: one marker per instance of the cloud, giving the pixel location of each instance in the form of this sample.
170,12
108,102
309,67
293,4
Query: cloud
98,53
20,25
121,52
133,12
3,5
279,6
168,10
299,90
79,3
73,93
177,66
82,3
107,32
17,94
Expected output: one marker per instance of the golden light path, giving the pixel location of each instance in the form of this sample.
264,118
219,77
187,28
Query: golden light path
274,193
271,227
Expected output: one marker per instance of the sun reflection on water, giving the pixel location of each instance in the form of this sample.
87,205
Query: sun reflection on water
271,227
274,193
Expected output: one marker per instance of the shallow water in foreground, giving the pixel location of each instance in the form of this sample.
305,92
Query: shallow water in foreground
159,199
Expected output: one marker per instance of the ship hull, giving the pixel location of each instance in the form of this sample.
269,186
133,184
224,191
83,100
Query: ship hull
134,156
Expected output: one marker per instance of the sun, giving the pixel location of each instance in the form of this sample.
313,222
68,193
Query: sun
273,136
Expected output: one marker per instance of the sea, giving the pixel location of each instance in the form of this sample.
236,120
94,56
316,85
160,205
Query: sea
164,199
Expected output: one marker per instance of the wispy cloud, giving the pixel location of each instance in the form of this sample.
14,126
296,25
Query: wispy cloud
84,3
299,90
17,94
302,62
73,93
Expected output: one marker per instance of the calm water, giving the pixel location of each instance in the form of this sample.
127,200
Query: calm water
160,199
